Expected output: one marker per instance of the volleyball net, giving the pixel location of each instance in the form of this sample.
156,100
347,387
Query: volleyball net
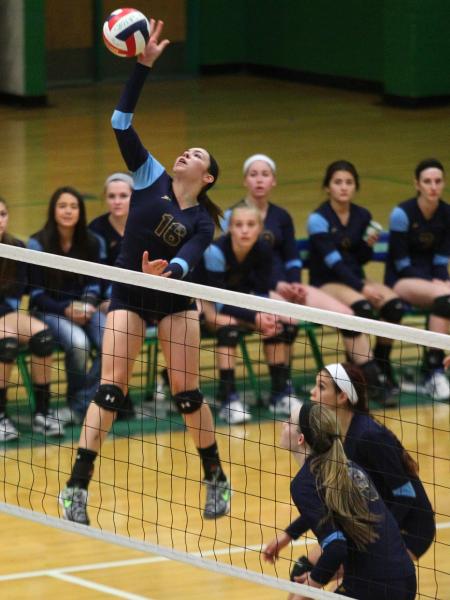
147,493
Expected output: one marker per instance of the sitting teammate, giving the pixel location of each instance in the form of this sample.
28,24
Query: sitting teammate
67,303
18,328
417,264
111,225
172,221
339,503
342,241
259,180
110,228
342,388
241,261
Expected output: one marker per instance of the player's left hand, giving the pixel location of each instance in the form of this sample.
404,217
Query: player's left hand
154,267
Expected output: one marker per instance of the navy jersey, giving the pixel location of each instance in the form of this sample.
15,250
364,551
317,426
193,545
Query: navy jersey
373,447
279,233
13,281
220,268
418,247
383,560
52,291
156,222
112,239
338,252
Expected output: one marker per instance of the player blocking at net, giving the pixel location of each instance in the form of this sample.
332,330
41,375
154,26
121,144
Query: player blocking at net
170,225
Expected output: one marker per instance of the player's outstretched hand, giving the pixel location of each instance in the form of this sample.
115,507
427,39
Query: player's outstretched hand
154,47
272,551
154,267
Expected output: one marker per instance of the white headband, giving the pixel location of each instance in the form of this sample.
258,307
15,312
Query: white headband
255,157
343,381
120,177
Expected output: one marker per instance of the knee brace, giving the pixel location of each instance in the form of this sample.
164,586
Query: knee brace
346,333
362,308
42,343
441,307
228,336
9,349
393,311
109,397
287,336
189,402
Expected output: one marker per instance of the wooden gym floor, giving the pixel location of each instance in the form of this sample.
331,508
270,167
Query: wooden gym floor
303,128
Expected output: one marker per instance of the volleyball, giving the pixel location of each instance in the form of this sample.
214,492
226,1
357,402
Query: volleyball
126,32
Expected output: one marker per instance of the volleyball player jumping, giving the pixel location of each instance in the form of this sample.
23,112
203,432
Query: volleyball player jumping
171,221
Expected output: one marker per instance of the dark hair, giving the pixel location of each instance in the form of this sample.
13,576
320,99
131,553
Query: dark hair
427,163
340,165
358,380
8,267
84,244
203,198
50,234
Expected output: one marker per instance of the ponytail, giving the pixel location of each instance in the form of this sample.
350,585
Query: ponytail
214,211
343,498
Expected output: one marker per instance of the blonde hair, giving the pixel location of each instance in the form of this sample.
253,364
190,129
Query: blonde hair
345,502
244,206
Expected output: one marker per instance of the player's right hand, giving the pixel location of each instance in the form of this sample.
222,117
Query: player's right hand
154,47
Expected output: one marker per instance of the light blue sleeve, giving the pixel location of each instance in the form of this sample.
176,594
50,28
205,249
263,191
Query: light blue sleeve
317,224
399,220
214,259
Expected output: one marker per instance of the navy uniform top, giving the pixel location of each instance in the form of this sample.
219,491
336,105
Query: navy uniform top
220,268
373,447
52,291
112,239
102,227
156,222
279,233
12,287
383,559
418,247
338,252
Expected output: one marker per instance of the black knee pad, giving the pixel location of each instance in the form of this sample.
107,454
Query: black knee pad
362,308
228,336
289,333
42,344
441,307
393,311
9,349
346,333
189,402
109,397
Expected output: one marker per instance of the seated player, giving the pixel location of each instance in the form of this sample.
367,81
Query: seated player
342,388
417,264
68,302
241,261
111,225
18,328
110,228
339,503
259,181
341,242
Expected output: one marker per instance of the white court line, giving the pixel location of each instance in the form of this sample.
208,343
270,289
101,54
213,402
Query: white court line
98,587
145,561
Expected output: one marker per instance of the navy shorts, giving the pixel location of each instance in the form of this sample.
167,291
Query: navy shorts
150,305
